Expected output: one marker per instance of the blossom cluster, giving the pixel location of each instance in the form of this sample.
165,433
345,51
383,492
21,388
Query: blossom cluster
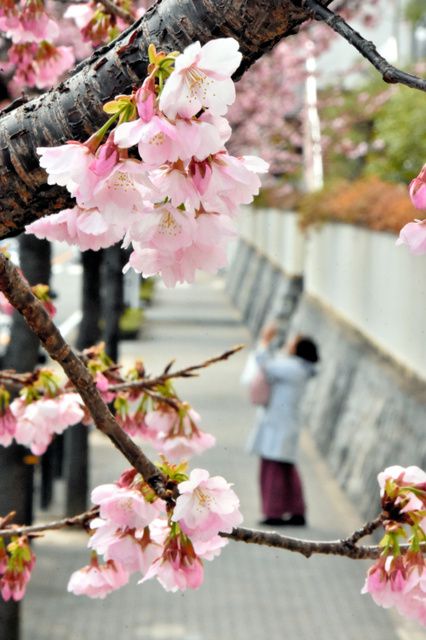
413,234
36,60
175,195
16,564
44,409
38,414
399,580
136,532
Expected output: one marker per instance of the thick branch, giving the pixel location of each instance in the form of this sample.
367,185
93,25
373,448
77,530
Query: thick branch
73,110
21,297
367,49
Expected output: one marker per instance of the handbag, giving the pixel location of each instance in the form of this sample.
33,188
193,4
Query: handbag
254,378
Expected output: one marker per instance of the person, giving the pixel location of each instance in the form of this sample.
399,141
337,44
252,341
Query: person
276,435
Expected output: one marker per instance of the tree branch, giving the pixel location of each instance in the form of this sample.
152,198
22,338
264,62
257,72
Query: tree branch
188,372
390,74
21,297
270,539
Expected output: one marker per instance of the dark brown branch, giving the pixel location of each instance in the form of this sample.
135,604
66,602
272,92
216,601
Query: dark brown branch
21,297
73,110
366,48
115,10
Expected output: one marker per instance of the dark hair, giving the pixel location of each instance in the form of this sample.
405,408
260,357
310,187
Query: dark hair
306,349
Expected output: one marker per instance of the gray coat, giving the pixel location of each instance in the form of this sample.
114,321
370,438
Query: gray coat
276,435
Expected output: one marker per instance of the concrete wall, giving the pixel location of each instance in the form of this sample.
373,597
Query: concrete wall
363,299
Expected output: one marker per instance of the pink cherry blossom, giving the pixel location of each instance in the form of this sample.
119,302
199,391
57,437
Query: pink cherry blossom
85,228
165,227
179,568
206,506
102,385
413,235
211,548
38,421
134,550
177,448
13,584
66,165
120,196
125,507
97,581
80,13
7,427
32,25
15,568
202,79
178,434
229,183
418,190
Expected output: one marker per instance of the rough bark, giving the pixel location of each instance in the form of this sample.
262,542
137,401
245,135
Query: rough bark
73,110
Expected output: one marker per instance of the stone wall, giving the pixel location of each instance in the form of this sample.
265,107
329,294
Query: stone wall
364,410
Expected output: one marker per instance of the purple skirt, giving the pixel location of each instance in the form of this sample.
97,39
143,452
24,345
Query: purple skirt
281,489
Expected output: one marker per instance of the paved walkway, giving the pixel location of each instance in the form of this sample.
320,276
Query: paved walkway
250,593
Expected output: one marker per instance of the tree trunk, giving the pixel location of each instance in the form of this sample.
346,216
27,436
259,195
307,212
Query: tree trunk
73,111
16,475
76,439
112,298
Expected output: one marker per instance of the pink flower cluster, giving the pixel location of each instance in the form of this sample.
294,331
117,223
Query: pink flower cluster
136,534
37,62
38,414
397,580
413,234
16,564
176,204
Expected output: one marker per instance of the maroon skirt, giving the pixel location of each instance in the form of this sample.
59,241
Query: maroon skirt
281,489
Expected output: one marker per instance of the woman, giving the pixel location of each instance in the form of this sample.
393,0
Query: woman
276,436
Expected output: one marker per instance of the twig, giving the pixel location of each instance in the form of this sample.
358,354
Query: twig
115,10
366,530
22,298
390,74
81,520
188,372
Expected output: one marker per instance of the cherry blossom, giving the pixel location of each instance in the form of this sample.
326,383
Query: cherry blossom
85,228
202,79
7,427
179,568
413,235
206,506
16,564
125,507
418,190
38,421
97,581
178,434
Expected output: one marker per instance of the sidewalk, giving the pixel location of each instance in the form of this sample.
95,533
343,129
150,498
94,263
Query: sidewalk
250,593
